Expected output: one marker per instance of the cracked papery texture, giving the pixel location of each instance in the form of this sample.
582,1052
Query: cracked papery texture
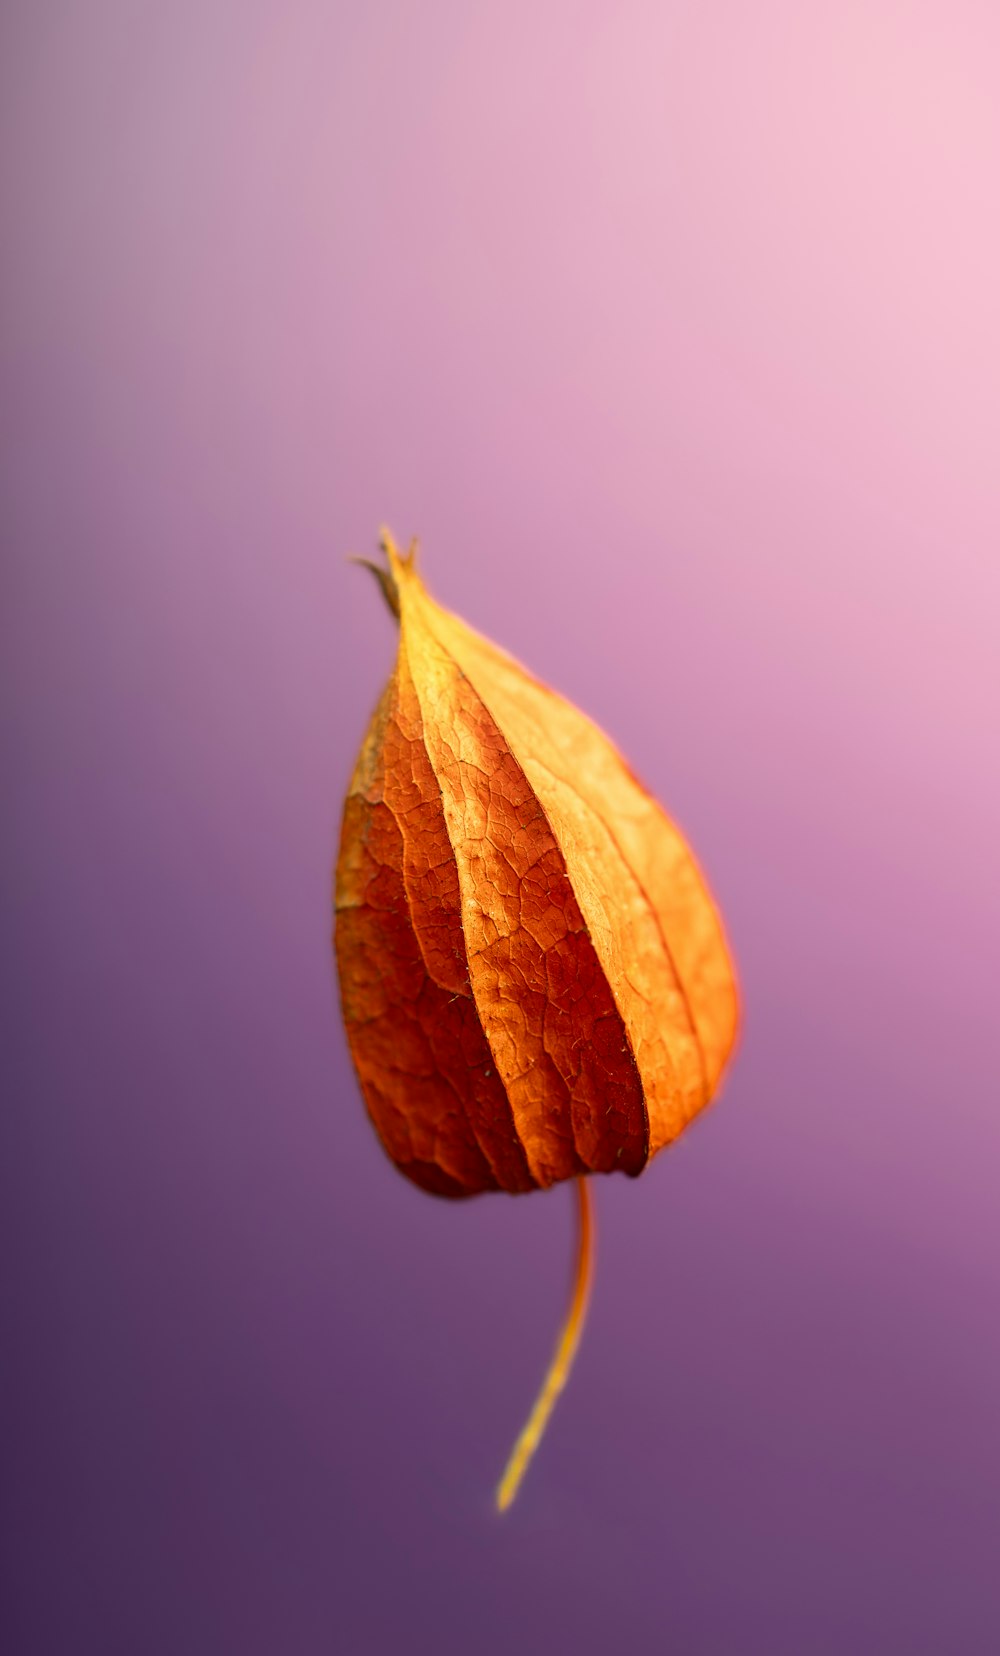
534,978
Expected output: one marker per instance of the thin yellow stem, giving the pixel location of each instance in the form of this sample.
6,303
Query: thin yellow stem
562,1361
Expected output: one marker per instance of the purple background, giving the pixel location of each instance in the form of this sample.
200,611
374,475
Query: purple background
673,329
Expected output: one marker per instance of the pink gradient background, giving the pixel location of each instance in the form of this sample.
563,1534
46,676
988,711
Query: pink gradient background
673,330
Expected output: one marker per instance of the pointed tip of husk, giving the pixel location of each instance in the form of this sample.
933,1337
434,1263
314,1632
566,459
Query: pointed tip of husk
400,563
401,566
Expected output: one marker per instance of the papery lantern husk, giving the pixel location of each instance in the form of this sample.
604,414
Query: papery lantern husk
534,977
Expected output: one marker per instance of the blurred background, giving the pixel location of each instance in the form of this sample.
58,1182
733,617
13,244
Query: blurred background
673,331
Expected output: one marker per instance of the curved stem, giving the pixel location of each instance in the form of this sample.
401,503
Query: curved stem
562,1361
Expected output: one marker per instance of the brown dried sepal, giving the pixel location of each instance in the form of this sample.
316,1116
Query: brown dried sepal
534,978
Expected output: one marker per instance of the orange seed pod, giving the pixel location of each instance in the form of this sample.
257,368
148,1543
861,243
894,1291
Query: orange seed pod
534,978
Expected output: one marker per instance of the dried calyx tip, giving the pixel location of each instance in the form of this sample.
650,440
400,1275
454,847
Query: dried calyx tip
388,578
